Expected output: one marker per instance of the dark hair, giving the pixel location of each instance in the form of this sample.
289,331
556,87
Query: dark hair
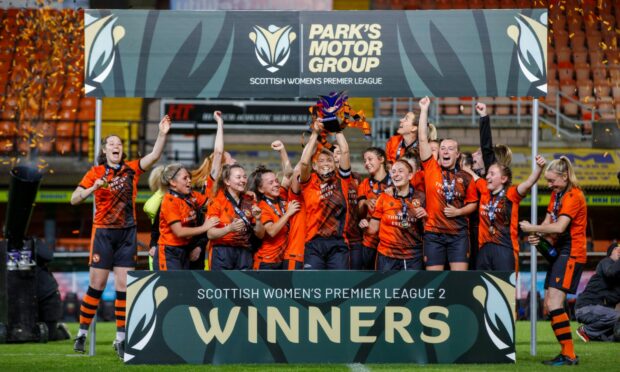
466,158
101,158
504,170
380,153
255,180
414,155
226,171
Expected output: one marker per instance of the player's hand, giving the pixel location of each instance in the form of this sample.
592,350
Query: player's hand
256,211
252,195
533,239
526,226
451,211
425,103
420,213
317,126
371,203
194,254
99,183
217,115
363,223
481,109
540,161
211,222
277,145
292,208
237,225
164,125
152,251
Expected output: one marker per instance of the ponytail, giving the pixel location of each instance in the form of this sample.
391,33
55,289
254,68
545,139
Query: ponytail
563,166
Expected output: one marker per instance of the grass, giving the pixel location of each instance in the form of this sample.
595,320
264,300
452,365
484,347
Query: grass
59,355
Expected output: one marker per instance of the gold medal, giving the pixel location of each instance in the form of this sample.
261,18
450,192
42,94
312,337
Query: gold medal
404,224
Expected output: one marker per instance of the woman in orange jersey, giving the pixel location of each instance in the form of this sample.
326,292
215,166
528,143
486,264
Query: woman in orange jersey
398,219
450,197
180,221
567,218
375,162
406,138
114,182
240,218
325,193
204,177
275,216
498,240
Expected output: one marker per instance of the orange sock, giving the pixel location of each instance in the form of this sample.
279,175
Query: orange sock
561,327
88,308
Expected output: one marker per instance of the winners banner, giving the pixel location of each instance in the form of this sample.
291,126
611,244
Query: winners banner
320,317
285,54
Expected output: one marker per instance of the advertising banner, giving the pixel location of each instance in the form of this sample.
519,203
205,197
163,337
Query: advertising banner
320,317
275,54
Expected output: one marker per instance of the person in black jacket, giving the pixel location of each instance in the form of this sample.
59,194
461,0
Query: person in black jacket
595,306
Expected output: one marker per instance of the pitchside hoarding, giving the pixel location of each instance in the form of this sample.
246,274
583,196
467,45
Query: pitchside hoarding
320,317
273,54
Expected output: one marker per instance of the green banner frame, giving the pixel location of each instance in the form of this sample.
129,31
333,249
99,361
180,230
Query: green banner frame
285,54
203,317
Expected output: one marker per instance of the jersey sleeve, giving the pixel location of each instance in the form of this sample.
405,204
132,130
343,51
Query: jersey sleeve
571,206
135,165
214,210
378,213
201,199
513,194
170,211
267,215
471,194
89,179
417,181
362,190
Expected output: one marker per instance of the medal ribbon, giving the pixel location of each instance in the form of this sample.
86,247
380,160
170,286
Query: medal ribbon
495,199
238,210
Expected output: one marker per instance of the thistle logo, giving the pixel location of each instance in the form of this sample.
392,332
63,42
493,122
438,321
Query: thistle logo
272,46
530,36
101,38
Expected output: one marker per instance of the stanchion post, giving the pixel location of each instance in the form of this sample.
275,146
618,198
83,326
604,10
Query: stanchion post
534,220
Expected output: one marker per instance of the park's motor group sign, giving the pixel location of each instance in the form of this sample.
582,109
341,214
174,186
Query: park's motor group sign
320,317
271,54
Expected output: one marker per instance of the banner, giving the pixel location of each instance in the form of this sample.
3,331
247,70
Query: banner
320,317
274,54
240,112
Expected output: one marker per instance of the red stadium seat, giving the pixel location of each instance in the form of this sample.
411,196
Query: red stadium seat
563,54
580,56
565,71
582,71
584,89
502,105
605,107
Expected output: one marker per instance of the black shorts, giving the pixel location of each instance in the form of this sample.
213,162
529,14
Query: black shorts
292,265
442,248
385,263
171,258
112,248
230,258
326,254
495,257
258,265
564,275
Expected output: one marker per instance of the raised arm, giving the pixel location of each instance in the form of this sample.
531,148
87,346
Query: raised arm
525,187
218,145
345,155
486,137
148,160
287,169
425,147
306,156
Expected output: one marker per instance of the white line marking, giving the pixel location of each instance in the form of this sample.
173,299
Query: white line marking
358,367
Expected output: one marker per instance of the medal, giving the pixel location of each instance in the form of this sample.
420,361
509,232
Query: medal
404,224
492,230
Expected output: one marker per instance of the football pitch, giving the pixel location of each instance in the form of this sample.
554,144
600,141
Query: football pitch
59,355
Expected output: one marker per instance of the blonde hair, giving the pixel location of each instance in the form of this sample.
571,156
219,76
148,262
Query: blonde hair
563,166
503,154
169,172
200,175
432,132
155,178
